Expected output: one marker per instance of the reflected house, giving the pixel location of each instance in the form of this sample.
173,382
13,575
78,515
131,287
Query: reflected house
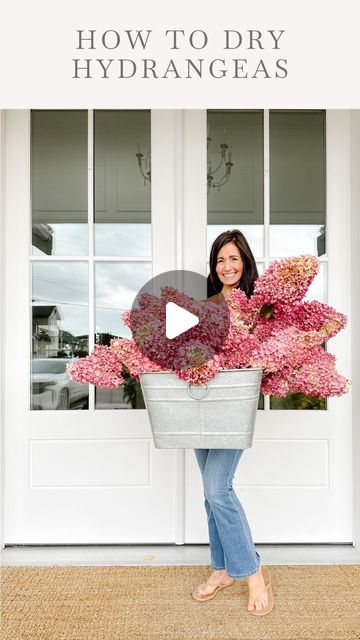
104,338
320,241
68,344
79,345
45,331
42,237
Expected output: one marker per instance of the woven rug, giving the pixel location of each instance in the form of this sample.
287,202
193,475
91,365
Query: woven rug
154,603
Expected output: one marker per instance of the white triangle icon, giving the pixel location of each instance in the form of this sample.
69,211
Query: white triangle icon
178,320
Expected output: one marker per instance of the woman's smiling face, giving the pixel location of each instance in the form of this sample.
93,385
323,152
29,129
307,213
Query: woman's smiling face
229,265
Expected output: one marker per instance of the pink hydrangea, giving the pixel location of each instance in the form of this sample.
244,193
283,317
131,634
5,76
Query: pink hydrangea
319,377
102,368
274,329
133,360
201,373
284,281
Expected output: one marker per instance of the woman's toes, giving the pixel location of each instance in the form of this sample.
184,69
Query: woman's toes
201,589
260,603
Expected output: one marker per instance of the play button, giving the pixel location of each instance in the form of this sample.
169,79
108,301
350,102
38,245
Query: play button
178,320
174,324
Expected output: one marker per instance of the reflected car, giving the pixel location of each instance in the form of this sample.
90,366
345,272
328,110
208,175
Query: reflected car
52,388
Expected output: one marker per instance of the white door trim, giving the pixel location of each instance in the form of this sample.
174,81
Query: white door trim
353,118
2,327
355,316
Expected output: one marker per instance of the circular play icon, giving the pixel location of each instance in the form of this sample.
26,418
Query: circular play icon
174,324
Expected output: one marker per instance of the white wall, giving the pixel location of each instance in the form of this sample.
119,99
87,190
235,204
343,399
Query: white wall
355,305
2,328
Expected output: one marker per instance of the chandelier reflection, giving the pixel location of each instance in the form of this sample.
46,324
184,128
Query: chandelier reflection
145,169
223,165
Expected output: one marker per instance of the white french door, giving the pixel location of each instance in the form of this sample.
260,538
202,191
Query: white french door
90,473
295,483
93,475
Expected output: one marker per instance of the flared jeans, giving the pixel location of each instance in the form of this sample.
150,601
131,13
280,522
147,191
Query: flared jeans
231,544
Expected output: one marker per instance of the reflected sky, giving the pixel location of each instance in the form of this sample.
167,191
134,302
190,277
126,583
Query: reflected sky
67,240
252,232
125,239
317,290
295,239
284,240
65,284
116,288
122,239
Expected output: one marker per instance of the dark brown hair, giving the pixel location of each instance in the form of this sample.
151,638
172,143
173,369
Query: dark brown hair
250,272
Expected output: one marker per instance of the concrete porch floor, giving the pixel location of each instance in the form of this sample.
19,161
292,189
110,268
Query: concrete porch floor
169,554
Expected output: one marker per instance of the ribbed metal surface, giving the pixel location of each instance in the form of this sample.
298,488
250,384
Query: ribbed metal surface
219,415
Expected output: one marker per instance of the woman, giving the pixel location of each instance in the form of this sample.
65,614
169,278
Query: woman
233,555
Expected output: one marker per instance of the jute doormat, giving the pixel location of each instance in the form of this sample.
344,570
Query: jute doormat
154,603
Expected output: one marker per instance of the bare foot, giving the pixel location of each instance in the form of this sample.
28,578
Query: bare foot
256,586
217,577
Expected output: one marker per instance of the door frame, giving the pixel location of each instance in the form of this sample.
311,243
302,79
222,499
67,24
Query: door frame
354,117
184,124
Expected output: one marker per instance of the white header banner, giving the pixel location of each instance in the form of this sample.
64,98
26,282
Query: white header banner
259,54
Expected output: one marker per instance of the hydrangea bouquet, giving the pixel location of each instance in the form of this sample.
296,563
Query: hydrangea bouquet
274,329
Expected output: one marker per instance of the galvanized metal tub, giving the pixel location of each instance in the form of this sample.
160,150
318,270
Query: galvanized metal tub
218,415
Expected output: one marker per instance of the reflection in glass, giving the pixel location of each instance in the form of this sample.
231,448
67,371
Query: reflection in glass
122,200
253,233
299,401
294,240
117,284
123,239
59,333
59,182
297,182
298,205
317,289
240,202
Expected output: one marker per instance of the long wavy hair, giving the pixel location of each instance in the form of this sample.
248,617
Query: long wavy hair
250,272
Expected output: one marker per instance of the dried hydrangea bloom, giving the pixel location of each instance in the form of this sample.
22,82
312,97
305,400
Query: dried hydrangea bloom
284,281
102,368
273,329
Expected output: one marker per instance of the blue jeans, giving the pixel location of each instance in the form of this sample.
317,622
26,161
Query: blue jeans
231,543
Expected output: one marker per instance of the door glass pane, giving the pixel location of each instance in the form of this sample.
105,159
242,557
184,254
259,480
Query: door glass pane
297,401
317,289
59,333
122,195
59,182
117,285
236,201
297,183
298,206
293,240
253,234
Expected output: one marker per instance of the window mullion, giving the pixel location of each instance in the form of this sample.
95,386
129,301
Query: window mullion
266,183
91,244
266,205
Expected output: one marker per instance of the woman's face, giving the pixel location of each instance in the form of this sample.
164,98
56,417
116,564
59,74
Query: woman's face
229,265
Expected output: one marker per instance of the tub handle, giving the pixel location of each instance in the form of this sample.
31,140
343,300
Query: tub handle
188,388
